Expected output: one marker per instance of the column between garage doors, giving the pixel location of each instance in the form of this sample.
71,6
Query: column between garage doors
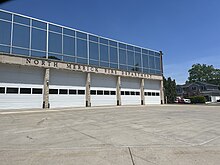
142,92
46,103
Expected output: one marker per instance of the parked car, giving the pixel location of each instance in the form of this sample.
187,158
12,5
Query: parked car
182,101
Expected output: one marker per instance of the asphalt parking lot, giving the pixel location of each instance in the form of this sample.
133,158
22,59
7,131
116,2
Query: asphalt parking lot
134,135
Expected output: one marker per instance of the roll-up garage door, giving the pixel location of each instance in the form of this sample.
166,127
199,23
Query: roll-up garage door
67,88
152,91
130,91
21,87
103,90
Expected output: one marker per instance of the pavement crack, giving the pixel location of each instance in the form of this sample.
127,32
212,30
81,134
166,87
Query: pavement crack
41,121
132,159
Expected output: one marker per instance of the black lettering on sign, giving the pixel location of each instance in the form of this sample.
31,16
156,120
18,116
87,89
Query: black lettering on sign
28,60
36,62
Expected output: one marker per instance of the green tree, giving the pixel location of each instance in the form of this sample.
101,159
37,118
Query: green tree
204,73
169,89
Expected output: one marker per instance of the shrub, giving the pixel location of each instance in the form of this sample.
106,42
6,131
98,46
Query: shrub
197,99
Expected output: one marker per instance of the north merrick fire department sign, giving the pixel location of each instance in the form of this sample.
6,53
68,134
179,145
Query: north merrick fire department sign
71,66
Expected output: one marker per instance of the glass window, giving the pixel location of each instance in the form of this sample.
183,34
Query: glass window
39,24
94,62
130,56
22,20
63,91
123,67
122,92
132,93
81,61
68,45
55,42
72,91
81,48
93,51
55,28
81,92
2,89
12,90
54,56
99,92
93,38
104,53
113,55
127,93
112,43
25,90
5,49
21,36
157,94
157,63
157,54
153,94
38,54
68,59
113,65
5,16
151,62
81,35
103,41
106,92
37,91
53,91
145,51
39,39
137,49
112,92
145,61
151,52
138,60
5,29
129,47
93,92
123,46
19,51
68,32
149,93
137,93
122,56
104,64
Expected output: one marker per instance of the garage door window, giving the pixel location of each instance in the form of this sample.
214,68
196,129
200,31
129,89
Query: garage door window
72,92
12,90
81,92
25,90
53,91
36,91
2,89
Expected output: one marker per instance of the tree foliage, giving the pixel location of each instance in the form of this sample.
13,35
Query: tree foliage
204,73
169,89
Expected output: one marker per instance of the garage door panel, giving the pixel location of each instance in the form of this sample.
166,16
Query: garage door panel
20,74
129,85
67,101
103,83
152,85
67,78
16,101
103,100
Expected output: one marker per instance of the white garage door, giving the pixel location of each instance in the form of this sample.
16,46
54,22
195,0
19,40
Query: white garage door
21,87
152,92
130,91
67,88
103,90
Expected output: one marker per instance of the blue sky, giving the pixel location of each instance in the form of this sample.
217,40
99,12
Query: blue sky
187,31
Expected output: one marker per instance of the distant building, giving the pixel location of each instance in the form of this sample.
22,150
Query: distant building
210,91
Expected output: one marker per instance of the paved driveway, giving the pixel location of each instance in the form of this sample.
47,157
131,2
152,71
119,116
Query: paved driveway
135,135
